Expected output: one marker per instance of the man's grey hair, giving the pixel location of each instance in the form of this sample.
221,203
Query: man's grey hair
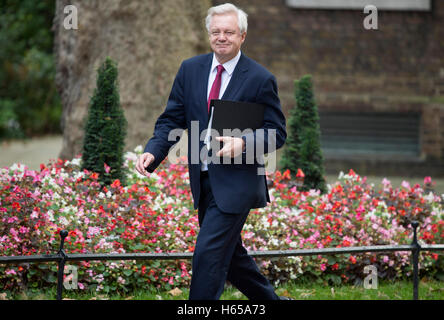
228,8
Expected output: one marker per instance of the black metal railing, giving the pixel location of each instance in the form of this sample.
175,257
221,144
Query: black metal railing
62,257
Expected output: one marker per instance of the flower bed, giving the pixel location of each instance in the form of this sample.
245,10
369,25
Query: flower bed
156,214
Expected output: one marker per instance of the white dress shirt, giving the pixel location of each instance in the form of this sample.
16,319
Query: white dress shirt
225,79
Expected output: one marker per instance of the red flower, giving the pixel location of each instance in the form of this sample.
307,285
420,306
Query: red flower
335,266
286,174
300,174
346,243
427,235
328,239
16,206
116,184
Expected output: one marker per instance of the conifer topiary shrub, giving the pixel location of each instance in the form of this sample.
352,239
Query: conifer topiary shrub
303,146
105,129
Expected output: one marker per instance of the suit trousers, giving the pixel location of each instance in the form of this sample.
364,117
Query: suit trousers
219,254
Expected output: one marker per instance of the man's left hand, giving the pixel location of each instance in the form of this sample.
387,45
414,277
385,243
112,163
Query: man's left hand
232,148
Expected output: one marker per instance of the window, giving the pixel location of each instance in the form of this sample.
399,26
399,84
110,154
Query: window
370,134
401,5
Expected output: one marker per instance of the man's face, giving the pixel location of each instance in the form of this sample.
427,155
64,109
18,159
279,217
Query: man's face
225,36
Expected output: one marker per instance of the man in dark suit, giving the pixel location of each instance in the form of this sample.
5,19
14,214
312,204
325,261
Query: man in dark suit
222,193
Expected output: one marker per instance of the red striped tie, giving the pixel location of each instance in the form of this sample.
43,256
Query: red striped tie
215,89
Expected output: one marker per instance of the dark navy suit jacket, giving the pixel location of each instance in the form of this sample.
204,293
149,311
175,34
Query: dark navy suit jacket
236,187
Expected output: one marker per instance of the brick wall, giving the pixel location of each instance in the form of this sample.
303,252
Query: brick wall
399,67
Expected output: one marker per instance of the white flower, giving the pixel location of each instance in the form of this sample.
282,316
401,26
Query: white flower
17,167
154,176
76,161
79,174
138,149
63,221
274,242
293,244
430,197
51,215
295,212
264,222
130,156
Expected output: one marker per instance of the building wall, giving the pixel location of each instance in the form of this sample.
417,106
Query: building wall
397,68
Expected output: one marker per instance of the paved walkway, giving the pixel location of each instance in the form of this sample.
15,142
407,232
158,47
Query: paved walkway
30,153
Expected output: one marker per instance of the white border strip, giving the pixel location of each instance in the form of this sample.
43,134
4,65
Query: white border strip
397,5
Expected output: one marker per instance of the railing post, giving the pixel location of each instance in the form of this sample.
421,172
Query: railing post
61,267
415,257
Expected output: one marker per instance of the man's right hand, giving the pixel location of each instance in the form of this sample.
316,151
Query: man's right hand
144,161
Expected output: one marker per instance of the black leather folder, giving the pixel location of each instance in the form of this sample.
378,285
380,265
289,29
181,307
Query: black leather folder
226,114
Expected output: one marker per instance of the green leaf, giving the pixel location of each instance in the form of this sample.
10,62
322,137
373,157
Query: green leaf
331,260
127,272
52,278
335,279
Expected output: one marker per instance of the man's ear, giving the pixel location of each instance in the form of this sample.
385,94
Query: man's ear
243,35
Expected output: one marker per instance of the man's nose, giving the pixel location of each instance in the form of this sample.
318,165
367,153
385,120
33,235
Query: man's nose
222,36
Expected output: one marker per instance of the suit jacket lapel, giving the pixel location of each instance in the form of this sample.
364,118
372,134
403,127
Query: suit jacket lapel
237,79
203,83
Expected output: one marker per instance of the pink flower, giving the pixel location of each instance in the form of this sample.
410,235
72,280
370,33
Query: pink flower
92,231
34,214
405,184
23,229
11,271
323,267
13,232
12,219
427,180
107,168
